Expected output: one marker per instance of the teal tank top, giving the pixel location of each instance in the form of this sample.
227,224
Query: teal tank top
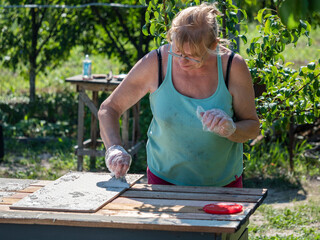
178,150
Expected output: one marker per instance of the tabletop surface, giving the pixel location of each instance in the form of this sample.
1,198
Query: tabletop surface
143,206
101,79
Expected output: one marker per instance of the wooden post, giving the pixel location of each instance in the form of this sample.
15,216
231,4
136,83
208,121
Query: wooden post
136,126
125,129
80,129
94,131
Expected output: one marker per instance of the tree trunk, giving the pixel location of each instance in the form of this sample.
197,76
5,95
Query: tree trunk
291,144
33,56
1,144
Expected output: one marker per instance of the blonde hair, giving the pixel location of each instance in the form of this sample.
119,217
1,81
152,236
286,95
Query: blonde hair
196,26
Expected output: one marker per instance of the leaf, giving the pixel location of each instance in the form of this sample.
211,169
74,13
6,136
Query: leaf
274,70
152,28
288,64
260,14
267,26
244,38
311,65
303,25
145,30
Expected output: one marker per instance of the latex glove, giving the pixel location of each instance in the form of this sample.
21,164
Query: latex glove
118,161
216,121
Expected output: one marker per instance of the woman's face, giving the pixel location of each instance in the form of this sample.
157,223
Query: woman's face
187,61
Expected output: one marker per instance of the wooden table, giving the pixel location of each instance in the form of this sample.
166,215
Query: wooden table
100,82
143,211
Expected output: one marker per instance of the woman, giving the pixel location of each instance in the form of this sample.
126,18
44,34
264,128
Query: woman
192,139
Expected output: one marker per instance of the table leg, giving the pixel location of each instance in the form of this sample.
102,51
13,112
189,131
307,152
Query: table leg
80,130
136,127
125,129
94,131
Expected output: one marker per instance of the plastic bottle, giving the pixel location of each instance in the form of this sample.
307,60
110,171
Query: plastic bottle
86,73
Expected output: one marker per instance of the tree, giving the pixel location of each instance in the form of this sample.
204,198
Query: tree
291,96
290,11
37,37
117,32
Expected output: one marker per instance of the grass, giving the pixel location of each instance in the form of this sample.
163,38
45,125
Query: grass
16,83
299,222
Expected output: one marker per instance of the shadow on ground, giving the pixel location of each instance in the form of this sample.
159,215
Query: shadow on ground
280,190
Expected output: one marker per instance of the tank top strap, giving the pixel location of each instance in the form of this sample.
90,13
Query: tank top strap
169,63
220,71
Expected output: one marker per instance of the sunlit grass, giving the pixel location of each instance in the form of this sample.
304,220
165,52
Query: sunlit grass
16,83
298,222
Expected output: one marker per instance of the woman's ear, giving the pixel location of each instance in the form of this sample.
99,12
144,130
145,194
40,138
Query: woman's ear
215,44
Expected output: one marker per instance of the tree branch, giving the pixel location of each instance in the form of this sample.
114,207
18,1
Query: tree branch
120,48
51,33
126,30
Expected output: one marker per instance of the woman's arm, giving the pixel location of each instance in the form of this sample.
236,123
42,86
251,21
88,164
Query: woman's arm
241,89
140,80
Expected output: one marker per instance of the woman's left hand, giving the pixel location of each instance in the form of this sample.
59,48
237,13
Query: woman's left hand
217,121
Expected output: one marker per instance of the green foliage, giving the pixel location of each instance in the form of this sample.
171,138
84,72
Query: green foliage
48,115
116,32
292,11
269,158
291,96
37,38
160,14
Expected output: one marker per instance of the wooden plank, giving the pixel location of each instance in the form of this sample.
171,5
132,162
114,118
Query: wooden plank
80,130
84,97
245,235
175,215
90,152
167,206
30,189
169,202
125,129
19,195
163,209
89,220
77,191
13,185
40,183
7,201
191,196
6,194
94,129
4,207
195,189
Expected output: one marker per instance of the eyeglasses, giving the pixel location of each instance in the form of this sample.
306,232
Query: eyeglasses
180,56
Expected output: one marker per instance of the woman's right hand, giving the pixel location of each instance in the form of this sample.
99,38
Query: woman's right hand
118,161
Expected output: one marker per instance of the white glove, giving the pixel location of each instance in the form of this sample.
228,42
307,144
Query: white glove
118,161
216,121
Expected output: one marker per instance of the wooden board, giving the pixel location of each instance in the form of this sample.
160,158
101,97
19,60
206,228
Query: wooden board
12,185
76,192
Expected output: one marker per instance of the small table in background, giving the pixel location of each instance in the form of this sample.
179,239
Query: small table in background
101,82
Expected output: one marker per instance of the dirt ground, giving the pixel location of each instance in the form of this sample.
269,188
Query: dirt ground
309,190
281,197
